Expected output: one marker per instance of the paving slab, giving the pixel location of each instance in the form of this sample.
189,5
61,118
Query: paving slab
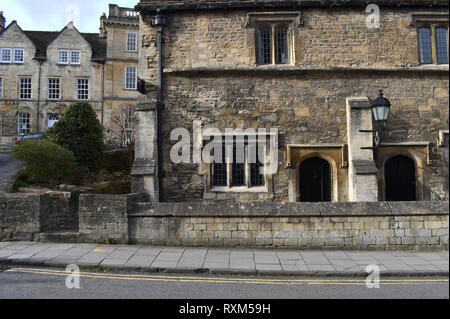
232,261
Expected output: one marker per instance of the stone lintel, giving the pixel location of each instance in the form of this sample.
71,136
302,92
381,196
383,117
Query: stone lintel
359,102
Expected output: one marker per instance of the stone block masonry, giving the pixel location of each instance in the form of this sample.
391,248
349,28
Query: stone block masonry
104,218
25,216
129,219
358,226
361,226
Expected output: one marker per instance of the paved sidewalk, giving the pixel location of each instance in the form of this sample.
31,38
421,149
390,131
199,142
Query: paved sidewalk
231,261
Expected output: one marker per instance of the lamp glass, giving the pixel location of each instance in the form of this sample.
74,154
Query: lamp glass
380,113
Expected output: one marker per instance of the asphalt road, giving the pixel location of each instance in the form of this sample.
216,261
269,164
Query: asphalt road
31,283
7,165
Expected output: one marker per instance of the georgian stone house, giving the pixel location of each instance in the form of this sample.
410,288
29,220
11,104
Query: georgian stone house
310,69
41,73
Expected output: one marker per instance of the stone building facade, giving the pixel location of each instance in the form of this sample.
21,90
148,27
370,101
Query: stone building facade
310,69
41,73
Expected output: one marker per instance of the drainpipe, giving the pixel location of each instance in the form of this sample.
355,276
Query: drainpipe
103,92
39,97
160,22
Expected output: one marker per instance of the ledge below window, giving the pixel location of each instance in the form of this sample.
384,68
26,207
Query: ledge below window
294,69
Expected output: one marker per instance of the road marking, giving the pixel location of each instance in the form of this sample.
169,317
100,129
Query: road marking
229,280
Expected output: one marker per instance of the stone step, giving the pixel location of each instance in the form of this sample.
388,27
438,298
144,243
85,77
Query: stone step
62,236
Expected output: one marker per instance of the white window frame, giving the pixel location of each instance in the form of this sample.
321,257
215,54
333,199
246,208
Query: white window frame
1,55
22,55
79,57
23,118
81,94
1,87
60,61
135,42
53,91
129,118
133,85
52,121
25,95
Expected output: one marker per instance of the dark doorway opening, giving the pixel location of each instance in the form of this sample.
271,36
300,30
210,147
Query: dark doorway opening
400,179
315,180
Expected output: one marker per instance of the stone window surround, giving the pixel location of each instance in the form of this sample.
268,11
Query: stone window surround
432,22
419,153
273,20
127,48
1,87
441,138
205,169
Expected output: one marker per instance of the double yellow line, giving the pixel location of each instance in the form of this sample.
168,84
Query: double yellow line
258,281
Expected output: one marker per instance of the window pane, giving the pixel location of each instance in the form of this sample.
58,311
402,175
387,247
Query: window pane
282,42
442,45
130,78
25,89
6,55
219,170
131,42
63,56
238,169
265,46
75,57
23,123
53,89
18,55
256,178
129,118
83,89
425,45
53,118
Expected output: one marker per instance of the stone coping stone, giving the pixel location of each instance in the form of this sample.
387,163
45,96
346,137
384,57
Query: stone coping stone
270,209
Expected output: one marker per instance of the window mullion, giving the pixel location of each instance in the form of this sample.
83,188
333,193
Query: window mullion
274,52
434,57
247,168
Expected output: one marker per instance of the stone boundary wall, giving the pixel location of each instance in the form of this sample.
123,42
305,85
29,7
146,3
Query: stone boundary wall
362,226
24,216
104,218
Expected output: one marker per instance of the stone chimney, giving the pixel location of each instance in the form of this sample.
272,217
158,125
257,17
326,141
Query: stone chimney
2,21
102,33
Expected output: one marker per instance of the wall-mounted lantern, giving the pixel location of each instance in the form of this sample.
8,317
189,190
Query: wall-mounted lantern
380,109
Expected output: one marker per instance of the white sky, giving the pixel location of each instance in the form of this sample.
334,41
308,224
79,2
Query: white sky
51,15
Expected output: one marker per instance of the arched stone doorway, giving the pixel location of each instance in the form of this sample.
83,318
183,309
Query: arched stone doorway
315,180
400,179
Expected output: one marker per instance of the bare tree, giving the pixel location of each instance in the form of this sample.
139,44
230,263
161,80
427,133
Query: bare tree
123,127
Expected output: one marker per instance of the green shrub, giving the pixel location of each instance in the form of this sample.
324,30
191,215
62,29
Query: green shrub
80,131
118,161
20,183
45,162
